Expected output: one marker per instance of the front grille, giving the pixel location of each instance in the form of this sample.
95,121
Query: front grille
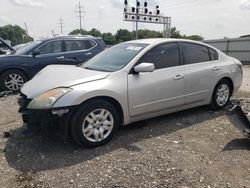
23,102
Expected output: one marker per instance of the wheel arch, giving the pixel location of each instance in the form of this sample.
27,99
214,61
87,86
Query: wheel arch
229,80
14,68
112,100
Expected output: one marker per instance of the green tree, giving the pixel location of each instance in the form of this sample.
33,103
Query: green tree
94,32
15,34
142,34
79,31
194,37
109,38
123,35
175,33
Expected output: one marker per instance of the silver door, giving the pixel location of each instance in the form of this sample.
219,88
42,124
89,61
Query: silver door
159,90
200,73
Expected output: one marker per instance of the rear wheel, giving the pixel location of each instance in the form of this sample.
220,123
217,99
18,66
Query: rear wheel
94,123
12,80
221,95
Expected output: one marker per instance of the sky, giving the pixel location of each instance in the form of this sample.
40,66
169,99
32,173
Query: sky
212,19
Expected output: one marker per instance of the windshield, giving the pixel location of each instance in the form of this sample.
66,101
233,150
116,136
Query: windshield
27,48
115,58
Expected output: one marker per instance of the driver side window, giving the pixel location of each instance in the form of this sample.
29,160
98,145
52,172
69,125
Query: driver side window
163,56
51,47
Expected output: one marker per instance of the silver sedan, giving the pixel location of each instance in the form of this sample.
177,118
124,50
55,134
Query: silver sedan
129,82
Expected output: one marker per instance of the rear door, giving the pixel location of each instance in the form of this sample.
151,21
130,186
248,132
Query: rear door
159,90
78,51
200,71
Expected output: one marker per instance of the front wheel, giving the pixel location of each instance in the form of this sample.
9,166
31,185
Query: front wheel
94,123
12,80
221,95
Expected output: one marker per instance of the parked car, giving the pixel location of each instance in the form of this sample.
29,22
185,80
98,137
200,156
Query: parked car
16,69
129,82
20,46
5,48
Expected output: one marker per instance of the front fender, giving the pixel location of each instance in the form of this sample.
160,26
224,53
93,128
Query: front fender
113,87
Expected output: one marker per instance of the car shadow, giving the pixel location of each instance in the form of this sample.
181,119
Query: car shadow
238,144
47,152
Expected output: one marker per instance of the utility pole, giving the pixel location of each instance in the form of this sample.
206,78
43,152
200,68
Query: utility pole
61,25
26,28
80,13
136,23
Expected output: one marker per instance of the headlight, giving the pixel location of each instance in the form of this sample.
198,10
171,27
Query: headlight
48,99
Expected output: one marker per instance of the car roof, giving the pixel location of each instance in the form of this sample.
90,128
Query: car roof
70,37
159,40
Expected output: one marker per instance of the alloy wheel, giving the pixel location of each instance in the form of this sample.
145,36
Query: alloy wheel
14,82
222,94
98,125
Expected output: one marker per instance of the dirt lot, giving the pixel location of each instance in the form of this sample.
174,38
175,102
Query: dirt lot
193,148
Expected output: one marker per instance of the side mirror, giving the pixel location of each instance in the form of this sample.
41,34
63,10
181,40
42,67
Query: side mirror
35,53
144,67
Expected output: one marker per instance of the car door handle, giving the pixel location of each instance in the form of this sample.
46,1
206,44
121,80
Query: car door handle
215,68
178,77
88,53
60,58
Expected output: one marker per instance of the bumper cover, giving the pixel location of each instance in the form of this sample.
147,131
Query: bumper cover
45,120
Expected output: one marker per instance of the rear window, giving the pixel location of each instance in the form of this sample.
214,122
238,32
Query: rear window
213,54
195,53
76,45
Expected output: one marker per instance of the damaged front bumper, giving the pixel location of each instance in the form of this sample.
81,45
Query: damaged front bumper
56,120
239,119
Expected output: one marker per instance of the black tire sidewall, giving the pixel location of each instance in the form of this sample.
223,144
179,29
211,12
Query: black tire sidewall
214,103
82,112
5,74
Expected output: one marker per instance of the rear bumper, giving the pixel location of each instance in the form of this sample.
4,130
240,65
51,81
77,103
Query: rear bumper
46,120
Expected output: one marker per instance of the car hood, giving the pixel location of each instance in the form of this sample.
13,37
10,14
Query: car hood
54,76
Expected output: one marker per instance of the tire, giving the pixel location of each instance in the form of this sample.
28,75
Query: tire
15,76
221,95
85,126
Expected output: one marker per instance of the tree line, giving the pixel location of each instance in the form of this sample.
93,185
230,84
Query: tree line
123,35
18,35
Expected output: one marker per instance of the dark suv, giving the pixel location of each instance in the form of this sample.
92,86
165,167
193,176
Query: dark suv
21,66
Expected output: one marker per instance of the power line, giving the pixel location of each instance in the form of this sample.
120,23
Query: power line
80,13
61,25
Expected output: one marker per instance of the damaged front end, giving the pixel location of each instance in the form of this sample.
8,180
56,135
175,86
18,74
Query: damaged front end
239,118
56,120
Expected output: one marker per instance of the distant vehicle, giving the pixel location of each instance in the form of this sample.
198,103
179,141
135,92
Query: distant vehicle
16,69
5,48
129,82
20,46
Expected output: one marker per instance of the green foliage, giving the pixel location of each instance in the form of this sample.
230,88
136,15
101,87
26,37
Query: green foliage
109,38
176,34
94,32
123,35
194,37
79,32
15,34
142,34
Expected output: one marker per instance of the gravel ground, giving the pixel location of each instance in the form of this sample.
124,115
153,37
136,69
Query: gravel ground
192,148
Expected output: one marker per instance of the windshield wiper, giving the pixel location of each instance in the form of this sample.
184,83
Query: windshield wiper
88,68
